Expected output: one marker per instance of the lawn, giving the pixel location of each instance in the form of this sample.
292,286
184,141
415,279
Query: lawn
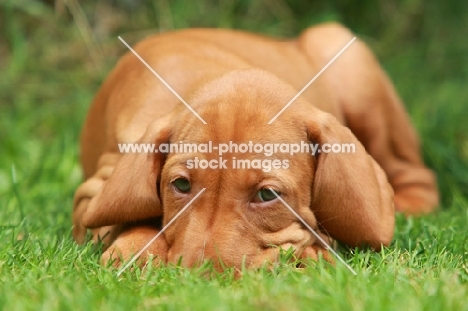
51,65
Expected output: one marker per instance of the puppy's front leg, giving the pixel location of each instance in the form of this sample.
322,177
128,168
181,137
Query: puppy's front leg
83,195
317,249
131,241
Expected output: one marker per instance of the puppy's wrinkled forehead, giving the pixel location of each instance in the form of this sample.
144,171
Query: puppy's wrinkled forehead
238,107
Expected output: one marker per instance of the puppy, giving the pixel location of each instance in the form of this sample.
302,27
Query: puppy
237,83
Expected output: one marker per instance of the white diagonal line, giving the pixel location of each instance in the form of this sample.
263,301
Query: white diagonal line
313,79
162,80
327,247
159,233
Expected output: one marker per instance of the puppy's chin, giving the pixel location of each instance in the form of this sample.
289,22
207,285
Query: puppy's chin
256,258
267,257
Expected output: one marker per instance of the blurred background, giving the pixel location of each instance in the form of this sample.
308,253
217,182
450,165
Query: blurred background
55,54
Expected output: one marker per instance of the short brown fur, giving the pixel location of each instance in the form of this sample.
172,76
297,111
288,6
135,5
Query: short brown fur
237,82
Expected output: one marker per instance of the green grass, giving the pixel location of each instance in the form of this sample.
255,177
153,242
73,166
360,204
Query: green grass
48,79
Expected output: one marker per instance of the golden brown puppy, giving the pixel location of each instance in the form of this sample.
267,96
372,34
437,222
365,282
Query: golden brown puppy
238,82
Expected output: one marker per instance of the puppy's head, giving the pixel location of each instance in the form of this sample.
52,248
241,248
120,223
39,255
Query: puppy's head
239,218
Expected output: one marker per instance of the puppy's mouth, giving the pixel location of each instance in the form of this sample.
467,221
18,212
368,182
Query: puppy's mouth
294,235
292,240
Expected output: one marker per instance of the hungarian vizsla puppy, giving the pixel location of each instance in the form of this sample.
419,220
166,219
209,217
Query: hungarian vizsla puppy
237,82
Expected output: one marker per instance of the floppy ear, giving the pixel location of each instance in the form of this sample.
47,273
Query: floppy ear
130,194
351,196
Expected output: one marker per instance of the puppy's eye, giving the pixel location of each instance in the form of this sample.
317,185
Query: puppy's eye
265,195
182,185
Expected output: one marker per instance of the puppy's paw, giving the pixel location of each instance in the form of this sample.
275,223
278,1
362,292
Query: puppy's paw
416,201
86,192
130,242
415,191
315,252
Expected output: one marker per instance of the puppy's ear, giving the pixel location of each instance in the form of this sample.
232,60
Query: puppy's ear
131,194
351,196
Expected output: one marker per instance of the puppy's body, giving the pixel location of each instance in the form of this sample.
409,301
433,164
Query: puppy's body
237,82
186,60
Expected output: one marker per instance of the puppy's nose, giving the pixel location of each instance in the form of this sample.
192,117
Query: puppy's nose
195,255
188,258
